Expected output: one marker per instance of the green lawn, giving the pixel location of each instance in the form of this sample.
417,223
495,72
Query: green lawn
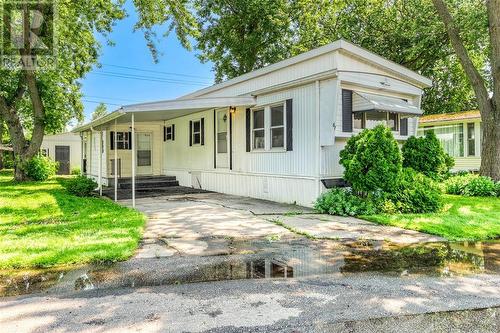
462,218
42,225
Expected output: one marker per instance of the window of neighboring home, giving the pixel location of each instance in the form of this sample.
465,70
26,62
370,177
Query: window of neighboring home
258,129
471,141
451,138
277,126
168,133
196,132
44,152
122,140
370,119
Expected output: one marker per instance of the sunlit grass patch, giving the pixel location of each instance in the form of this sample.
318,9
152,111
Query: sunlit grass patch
42,225
462,218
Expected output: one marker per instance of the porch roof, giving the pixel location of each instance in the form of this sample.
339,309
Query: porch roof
165,110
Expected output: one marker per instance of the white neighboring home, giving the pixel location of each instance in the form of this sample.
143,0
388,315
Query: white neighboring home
274,133
65,148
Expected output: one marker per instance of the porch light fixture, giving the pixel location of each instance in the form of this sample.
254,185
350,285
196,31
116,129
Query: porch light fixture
232,109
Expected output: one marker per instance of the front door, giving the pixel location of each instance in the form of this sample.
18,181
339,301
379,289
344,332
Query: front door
144,158
222,139
62,157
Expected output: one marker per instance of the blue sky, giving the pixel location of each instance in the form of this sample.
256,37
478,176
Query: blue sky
108,84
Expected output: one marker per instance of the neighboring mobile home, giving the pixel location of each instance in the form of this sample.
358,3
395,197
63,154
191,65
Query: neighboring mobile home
460,135
64,148
274,133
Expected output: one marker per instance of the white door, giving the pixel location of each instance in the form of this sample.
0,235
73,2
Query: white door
222,139
144,159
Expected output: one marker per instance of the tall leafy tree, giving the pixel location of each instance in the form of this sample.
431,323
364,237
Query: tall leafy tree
41,100
488,100
240,36
99,111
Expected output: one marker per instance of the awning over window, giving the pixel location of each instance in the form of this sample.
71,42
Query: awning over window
362,102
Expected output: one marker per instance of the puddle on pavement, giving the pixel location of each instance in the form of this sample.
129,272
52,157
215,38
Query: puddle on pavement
267,259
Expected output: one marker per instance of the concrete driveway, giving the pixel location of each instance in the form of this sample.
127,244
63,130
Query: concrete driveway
181,224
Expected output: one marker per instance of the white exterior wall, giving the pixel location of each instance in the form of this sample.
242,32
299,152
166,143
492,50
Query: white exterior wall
65,139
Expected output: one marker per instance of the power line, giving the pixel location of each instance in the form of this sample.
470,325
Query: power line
97,102
152,77
126,76
158,72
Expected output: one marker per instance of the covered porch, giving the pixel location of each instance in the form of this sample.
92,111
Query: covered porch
124,151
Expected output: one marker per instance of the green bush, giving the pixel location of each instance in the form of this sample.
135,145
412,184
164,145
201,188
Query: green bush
343,202
81,186
480,187
426,155
372,160
40,168
472,185
415,193
75,171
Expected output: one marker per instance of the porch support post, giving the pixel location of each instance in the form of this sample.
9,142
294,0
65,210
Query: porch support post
132,140
100,163
82,153
116,164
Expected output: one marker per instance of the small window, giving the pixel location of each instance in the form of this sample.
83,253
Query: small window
196,132
168,135
358,120
277,127
471,140
258,129
44,152
122,140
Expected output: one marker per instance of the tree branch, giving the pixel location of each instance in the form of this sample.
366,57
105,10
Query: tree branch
473,74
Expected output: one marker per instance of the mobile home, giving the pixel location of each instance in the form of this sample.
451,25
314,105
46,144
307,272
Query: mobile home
274,133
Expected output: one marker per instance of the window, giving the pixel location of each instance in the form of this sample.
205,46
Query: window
122,140
222,132
196,132
44,152
277,127
168,133
450,136
471,141
258,129
370,119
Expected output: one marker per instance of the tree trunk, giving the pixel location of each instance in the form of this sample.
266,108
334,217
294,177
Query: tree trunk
490,147
1,142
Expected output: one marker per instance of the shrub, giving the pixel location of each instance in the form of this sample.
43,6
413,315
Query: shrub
75,171
426,155
40,168
480,187
372,160
497,189
81,186
338,201
471,185
415,193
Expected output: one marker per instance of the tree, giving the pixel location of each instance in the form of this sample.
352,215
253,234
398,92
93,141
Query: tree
99,111
241,36
35,101
488,102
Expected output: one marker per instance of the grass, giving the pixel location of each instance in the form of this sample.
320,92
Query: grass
41,225
462,218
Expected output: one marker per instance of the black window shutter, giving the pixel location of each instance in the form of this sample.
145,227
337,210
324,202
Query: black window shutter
173,132
403,126
190,133
130,140
202,130
346,110
289,125
164,133
112,140
248,114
